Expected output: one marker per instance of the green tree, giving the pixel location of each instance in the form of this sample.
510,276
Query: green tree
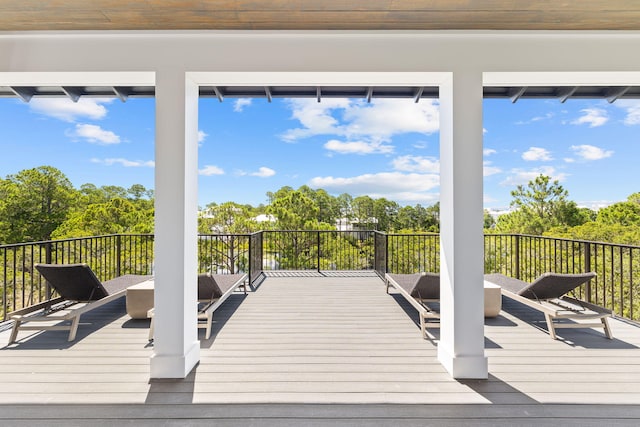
386,213
617,223
227,218
489,220
344,202
294,211
113,217
363,212
34,203
138,192
328,206
540,206
623,213
90,194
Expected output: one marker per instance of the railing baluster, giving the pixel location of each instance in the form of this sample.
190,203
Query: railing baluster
521,256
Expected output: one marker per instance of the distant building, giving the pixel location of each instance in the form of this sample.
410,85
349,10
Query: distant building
265,218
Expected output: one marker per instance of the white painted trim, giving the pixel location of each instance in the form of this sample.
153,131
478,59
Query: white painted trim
591,78
463,367
319,78
81,78
175,366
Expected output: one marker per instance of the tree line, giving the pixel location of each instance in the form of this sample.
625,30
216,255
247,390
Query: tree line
41,204
309,209
542,207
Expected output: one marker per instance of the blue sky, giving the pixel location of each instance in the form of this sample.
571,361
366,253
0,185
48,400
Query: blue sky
388,148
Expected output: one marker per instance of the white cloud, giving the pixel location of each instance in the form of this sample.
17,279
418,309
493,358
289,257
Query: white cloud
384,118
210,170
632,108
488,151
357,147
416,164
358,120
401,187
522,177
594,117
536,154
488,169
536,119
315,117
69,111
126,163
201,136
94,134
239,104
591,152
264,172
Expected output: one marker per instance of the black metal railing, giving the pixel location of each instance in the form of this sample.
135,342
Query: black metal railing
616,286
412,253
108,256
617,267
319,250
223,253
381,253
255,255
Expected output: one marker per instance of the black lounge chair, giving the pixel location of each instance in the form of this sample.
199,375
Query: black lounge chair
548,295
79,291
213,290
418,289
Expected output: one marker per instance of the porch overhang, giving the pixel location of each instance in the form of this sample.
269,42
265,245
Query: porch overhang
460,65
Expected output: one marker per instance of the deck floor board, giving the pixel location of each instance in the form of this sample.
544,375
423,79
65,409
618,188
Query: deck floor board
327,351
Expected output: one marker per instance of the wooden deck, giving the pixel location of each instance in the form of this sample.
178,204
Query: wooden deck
321,349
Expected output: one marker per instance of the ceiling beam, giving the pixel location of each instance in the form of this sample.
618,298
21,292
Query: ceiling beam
120,93
369,94
418,94
24,93
73,93
614,93
218,93
516,93
566,93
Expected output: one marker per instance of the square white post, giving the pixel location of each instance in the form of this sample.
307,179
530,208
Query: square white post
176,345
461,346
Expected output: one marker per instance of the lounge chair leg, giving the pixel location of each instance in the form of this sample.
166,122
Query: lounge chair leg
209,322
73,329
607,328
552,329
151,329
14,331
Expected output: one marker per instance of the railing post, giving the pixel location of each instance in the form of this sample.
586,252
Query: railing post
118,255
587,268
318,250
517,249
386,252
48,257
250,260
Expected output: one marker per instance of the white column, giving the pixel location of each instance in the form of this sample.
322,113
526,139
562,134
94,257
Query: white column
461,346
176,345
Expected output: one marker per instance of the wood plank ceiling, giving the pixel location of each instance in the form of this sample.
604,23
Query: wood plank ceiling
37,15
